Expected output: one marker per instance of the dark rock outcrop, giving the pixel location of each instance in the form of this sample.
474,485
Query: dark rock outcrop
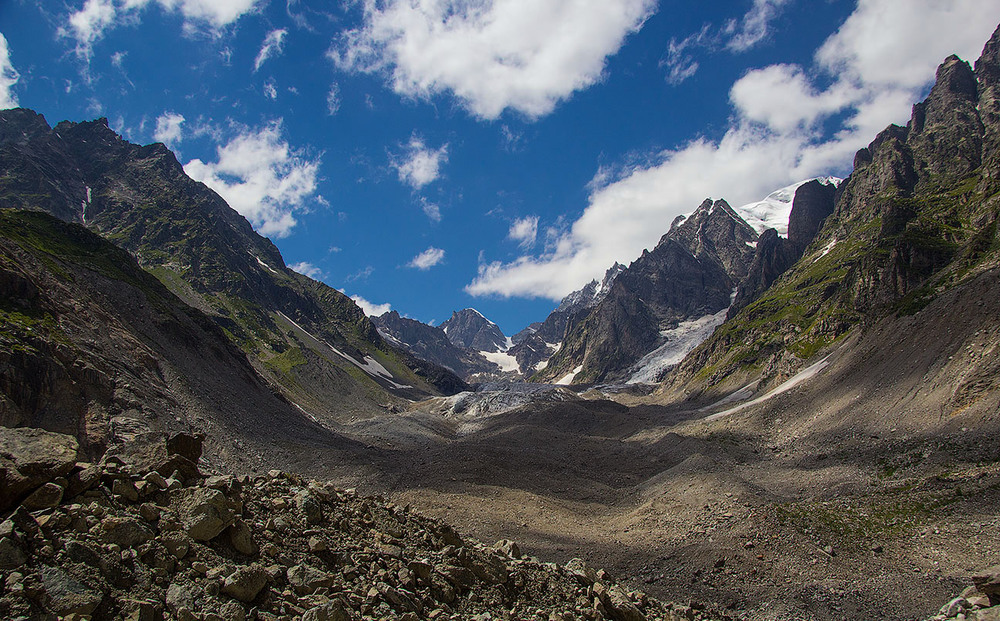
812,204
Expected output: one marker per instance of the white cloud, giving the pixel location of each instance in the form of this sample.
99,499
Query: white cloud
370,308
261,177
420,165
168,128
8,76
431,210
333,100
427,259
270,90
524,231
88,24
775,139
755,25
736,35
492,55
307,269
272,46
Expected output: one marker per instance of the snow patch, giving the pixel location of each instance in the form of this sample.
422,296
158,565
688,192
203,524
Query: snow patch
791,383
502,359
827,249
303,410
773,211
369,366
267,267
680,341
84,205
542,364
567,379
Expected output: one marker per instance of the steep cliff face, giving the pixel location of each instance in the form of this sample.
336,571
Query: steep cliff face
537,343
306,337
813,202
690,273
915,218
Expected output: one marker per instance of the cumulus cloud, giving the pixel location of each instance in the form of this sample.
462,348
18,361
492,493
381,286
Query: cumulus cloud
420,165
88,24
168,128
8,77
307,269
272,46
427,259
370,308
492,55
877,65
262,177
524,231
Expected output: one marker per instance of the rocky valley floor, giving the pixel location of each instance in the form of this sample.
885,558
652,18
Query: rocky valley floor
868,491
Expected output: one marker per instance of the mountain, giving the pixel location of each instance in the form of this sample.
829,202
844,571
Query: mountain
775,210
94,346
536,344
432,344
915,219
812,202
690,274
470,329
309,340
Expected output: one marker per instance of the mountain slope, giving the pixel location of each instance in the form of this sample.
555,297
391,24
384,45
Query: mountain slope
432,344
310,339
917,217
93,346
691,273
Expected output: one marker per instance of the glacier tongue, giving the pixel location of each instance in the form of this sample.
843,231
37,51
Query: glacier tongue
680,340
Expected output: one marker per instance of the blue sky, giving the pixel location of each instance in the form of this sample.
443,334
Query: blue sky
432,155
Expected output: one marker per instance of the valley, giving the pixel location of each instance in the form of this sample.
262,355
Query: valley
785,410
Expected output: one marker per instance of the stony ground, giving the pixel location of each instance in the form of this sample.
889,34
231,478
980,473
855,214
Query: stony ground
146,535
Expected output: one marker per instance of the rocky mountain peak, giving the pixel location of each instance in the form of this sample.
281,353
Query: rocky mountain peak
470,329
21,124
813,202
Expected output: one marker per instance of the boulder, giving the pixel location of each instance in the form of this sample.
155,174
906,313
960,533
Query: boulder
125,532
30,458
245,583
330,611
65,595
11,555
305,579
987,582
241,538
149,452
45,497
205,513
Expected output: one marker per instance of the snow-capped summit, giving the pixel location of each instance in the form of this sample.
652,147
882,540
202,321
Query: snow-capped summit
774,210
